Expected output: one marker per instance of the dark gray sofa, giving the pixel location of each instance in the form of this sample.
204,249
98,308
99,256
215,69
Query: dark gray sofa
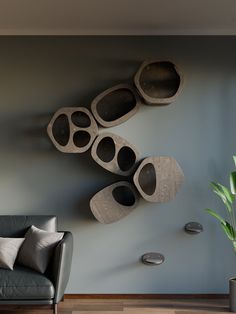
26,286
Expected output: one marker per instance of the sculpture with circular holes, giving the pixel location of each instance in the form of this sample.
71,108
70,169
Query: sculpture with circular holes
158,179
114,154
115,105
158,82
74,130
114,202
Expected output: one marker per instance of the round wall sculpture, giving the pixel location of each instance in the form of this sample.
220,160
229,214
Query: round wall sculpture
114,202
115,105
158,82
158,179
115,154
72,129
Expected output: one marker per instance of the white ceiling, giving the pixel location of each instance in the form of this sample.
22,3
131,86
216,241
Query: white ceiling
117,17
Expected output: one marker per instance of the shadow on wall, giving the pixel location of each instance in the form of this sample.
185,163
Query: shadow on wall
94,179
25,133
116,270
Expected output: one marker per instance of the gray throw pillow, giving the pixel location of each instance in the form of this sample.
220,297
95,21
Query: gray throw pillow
38,248
9,248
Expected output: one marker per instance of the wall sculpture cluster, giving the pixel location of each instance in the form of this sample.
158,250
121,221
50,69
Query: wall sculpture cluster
75,130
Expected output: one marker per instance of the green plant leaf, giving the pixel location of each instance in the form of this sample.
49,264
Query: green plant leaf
234,158
233,182
218,191
229,230
230,197
214,214
224,193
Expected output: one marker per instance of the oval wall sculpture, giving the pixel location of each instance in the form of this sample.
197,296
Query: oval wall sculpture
158,179
72,129
114,202
158,82
115,154
115,105
152,259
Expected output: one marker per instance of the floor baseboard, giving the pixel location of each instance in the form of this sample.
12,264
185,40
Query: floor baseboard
147,296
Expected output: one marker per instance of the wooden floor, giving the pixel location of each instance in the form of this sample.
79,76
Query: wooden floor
98,306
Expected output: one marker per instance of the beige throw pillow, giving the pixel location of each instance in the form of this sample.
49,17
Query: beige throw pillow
38,248
9,248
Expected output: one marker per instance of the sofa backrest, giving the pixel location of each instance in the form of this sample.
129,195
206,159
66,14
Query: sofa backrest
16,226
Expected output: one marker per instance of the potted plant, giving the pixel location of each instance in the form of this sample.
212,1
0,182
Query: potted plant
228,225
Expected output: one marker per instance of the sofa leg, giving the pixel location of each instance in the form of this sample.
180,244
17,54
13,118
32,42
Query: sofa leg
55,308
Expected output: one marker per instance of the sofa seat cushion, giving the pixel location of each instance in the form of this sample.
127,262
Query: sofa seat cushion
24,283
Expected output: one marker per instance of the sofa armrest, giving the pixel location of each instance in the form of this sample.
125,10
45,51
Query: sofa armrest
62,265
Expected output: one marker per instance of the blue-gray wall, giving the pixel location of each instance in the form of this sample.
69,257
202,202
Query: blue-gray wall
40,75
